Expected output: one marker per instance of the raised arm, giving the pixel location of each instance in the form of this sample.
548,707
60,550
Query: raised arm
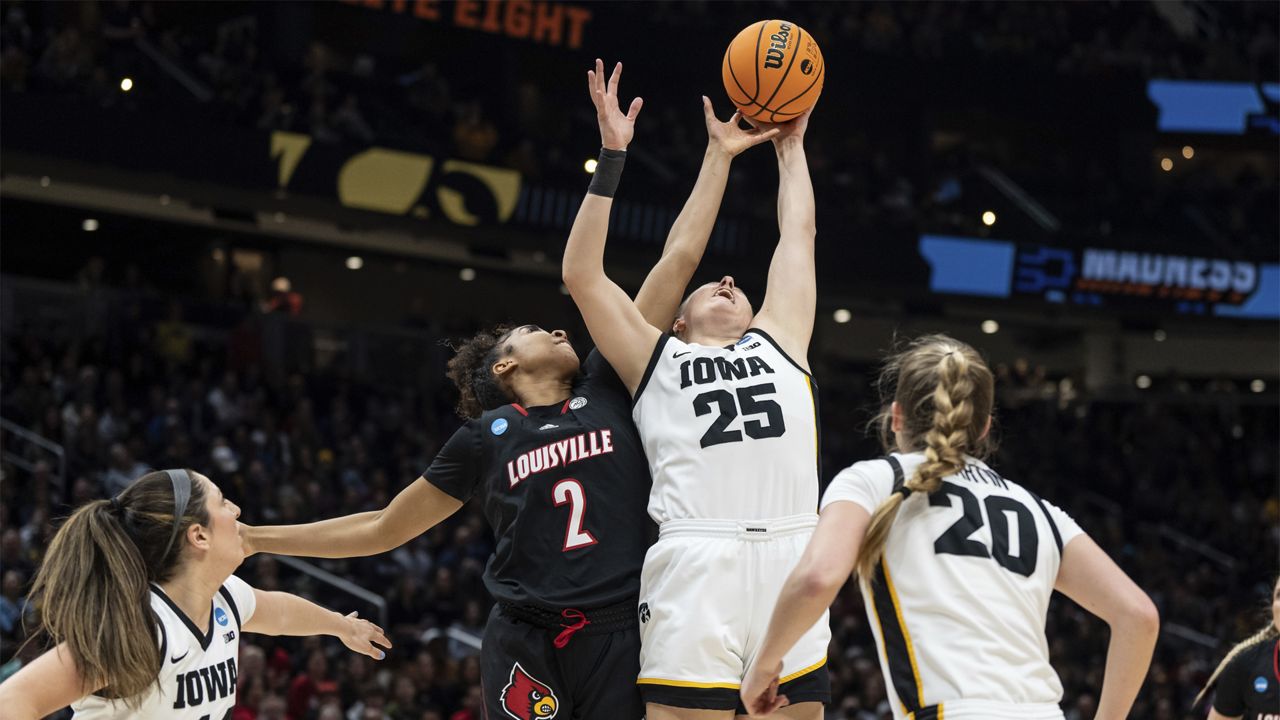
412,512
791,295
620,331
659,298
279,613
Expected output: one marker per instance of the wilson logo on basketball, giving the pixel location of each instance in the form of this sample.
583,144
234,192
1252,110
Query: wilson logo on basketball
527,699
777,44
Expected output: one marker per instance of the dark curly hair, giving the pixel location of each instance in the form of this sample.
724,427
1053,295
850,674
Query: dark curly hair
471,370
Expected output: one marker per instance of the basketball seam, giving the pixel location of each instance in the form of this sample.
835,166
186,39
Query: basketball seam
795,50
728,60
821,70
756,61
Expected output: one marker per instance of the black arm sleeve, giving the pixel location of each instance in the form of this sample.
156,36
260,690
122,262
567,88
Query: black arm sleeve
456,468
1228,696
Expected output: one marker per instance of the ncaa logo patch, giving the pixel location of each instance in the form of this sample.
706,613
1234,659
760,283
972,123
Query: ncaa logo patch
220,616
525,698
745,339
577,403
1260,684
498,426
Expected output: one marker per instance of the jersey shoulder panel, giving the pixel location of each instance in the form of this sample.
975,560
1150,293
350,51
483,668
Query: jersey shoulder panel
866,483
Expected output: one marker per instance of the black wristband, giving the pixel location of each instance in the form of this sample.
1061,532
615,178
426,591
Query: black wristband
604,182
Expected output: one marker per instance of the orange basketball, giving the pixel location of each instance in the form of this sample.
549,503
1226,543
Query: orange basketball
773,71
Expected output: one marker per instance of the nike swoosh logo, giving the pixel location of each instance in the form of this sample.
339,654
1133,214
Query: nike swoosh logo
176,659
686,352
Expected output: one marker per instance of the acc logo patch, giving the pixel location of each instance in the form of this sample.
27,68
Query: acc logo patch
524,698
498,426
577,403
1260,684
220,615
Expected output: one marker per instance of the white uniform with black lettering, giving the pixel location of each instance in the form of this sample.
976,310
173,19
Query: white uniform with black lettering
959,603
198,678
731,435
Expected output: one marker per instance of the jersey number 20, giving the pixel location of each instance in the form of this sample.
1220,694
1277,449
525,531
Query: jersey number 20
957,540
749,400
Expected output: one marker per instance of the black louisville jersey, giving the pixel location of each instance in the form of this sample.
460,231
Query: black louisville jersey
564,488
1249,687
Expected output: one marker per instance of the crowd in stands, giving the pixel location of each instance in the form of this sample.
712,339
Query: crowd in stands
1182,494
880,177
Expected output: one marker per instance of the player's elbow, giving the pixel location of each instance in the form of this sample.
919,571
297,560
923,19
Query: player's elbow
1136,614
818,581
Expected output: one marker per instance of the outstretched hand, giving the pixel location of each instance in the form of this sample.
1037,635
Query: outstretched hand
730,137
361,634
791,128
760,691
616,129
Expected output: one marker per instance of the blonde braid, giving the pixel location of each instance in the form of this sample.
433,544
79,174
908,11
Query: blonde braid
1267,633
948,437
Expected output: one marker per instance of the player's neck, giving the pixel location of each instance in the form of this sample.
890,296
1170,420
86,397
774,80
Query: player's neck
192,593
712,339
539,392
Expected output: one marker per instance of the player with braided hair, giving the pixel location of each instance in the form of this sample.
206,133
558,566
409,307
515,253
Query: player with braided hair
1246,683
957,564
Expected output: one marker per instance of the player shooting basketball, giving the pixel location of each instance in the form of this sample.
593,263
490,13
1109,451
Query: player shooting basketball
725,407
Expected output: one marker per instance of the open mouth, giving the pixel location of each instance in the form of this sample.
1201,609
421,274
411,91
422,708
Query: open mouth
725,293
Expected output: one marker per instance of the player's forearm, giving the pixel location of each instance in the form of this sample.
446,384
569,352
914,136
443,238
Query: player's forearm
1133,641
292,615
664,287
584,252
796,206
348,536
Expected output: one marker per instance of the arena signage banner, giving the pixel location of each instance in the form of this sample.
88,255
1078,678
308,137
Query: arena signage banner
549,23
1220,108
1102,277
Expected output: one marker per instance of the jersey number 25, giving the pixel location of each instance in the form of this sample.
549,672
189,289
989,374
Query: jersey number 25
750,402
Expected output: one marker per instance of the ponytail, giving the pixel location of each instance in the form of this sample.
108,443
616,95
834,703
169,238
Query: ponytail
945,393
1267,633
93,588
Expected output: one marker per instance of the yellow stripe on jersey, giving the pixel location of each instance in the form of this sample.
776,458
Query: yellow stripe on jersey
897,608
806,671
813,405
899,652
686,683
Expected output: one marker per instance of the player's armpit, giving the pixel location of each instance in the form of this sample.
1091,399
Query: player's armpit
50,682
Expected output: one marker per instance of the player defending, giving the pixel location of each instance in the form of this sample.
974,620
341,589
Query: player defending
138,593
957,563
550,450
725,408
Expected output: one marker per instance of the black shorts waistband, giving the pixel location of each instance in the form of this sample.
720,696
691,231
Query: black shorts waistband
611,618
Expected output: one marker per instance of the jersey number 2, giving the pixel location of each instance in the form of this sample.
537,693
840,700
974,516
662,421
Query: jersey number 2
957,540
751,404
570,492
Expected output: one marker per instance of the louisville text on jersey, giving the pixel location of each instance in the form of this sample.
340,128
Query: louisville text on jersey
563,452
206,684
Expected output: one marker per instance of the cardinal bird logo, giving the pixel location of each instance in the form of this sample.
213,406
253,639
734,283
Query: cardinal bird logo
524,698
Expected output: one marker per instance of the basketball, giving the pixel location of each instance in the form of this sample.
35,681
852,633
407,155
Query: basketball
773,71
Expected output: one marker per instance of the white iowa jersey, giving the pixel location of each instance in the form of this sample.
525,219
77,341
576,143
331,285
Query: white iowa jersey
198,678
730,432
959,603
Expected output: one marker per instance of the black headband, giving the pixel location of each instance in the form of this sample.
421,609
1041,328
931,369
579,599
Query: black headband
181,496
